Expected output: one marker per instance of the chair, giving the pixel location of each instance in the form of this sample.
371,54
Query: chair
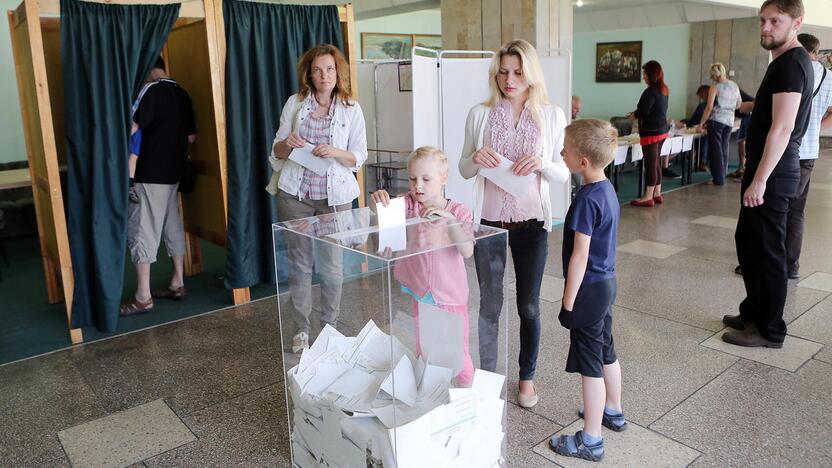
622,124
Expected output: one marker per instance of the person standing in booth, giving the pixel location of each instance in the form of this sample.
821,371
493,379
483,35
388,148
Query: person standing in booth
519,124
651,113
166,119
782,108
325,115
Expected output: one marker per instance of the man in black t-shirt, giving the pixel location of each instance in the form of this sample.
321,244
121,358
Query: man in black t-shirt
166,119
780,117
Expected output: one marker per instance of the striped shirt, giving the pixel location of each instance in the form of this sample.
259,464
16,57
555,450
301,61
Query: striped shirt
810,145
316,130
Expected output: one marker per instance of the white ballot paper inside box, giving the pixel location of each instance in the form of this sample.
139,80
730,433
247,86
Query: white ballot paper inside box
441,337
305,158
502,177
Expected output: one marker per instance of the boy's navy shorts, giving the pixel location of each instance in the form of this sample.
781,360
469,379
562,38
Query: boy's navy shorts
591,345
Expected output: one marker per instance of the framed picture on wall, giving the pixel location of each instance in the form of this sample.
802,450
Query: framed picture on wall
825,58
386,46
618,62
405,77
428,41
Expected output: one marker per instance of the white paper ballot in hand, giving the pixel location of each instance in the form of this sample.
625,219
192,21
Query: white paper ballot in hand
394,237
391,215
305,158
502,177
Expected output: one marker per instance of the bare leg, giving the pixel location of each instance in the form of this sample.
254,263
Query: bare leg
527,387
177,280
657,190
612,383
594,394
143,282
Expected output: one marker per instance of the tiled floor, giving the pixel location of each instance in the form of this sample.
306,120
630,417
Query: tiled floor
216,381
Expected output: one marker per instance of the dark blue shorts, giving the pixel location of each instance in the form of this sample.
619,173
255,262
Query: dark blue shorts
591,345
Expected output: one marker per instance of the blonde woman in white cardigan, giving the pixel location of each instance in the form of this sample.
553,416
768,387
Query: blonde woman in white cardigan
519,124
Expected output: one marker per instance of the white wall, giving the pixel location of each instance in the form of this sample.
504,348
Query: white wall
668,45
12,142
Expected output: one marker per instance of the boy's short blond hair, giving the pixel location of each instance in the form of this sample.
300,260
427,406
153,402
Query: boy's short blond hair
594,139
426,152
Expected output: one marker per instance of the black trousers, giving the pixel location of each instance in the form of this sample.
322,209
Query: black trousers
794,226
761,251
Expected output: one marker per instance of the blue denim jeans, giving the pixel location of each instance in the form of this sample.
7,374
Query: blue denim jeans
528,250
719,137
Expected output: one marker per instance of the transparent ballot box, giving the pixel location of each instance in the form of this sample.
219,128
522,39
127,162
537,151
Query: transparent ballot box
394,347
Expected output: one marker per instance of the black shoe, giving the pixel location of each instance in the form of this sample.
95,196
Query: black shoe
750,338
734,321
738,270
668,174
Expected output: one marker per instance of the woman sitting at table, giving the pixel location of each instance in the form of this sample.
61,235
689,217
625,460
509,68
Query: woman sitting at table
651,113
723,100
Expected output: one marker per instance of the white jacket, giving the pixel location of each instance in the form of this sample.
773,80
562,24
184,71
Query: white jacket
348,133
554,170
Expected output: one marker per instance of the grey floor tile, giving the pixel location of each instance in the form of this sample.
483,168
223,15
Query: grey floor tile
40,397
637,446
758,415
818,280
250,430
126,437
710,243
650,249
795,351
693,290
723,222
525,430
191,364
820,186
816,325
816,254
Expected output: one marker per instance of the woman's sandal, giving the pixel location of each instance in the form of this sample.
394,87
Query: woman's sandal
574,446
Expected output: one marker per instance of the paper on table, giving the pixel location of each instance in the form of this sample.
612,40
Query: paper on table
506,180
441,336
305,158
391,215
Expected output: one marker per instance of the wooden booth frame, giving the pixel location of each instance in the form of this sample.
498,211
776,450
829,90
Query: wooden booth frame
41,102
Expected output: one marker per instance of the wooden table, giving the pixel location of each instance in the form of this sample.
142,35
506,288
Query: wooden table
15,178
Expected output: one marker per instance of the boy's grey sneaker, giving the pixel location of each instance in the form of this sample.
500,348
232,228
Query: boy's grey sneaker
574,446
300,342
610,422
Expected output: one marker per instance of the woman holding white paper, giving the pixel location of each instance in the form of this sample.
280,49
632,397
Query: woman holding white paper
323,115
517,124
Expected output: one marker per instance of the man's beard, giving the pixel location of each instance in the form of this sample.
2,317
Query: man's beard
769,43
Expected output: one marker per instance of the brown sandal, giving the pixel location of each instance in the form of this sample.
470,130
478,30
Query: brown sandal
165,292
134,307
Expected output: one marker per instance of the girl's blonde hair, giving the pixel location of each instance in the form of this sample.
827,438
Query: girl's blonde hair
342,89
532,73
426,152
718,71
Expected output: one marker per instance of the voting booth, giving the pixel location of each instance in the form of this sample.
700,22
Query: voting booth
401,370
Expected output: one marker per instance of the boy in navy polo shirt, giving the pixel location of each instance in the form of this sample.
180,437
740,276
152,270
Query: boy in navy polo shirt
589,240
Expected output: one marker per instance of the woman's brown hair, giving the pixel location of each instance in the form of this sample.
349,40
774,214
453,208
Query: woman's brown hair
342,89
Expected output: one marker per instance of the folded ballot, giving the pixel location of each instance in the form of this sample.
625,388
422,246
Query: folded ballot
368,401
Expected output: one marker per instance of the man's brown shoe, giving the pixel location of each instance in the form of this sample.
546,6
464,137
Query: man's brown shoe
177,294
134,307
749,338
734,321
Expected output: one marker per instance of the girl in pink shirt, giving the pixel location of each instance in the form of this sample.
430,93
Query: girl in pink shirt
437,278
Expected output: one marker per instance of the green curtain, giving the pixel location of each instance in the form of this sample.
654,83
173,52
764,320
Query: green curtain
107,51
263,44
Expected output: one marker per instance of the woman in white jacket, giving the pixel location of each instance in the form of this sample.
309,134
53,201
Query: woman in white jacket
517,123
323,114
